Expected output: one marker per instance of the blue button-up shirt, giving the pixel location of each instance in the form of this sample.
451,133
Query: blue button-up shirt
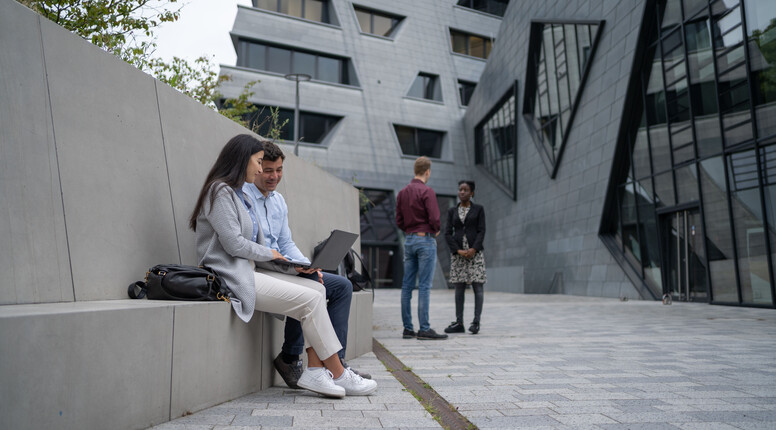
249,204
272,212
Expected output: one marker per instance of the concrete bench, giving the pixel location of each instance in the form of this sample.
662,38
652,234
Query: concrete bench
125,364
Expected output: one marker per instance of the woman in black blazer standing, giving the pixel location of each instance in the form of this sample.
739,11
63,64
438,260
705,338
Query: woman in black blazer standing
464,232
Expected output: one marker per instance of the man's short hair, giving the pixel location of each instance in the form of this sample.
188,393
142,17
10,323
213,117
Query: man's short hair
272,152
422,164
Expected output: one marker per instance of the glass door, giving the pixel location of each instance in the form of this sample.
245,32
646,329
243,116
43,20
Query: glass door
683,256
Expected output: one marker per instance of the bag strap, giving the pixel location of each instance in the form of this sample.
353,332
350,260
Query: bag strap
364,271
135,295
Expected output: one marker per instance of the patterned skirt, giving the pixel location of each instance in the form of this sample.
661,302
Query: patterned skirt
468,270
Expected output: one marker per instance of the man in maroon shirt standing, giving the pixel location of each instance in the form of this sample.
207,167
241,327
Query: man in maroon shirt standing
417,214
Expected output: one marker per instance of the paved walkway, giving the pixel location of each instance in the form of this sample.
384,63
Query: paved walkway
550,362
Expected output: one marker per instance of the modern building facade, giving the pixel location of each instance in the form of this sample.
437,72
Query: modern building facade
620,148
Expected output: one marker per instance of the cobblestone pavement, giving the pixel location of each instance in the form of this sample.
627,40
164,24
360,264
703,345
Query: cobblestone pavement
550,362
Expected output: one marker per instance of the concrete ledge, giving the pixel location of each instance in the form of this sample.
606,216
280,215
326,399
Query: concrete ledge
126,364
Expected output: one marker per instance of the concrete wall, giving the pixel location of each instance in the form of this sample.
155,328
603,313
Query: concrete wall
550,235
100,165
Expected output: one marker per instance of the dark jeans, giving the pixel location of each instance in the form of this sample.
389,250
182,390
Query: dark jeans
339,293
460,289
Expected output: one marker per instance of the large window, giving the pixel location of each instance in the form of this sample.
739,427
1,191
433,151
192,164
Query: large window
558,60
470,44
377,23
493,7
314,10
426,86
313,127
697,141
495,144
282,60
419,141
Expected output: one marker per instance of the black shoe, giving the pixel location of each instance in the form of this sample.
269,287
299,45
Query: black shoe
474,328
430,334
455,327
289,372
361,374
408,334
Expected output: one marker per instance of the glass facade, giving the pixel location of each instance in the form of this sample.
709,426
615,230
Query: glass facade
495,142
314,10
282,60
377,23
558,61
694,210
419,141
470,44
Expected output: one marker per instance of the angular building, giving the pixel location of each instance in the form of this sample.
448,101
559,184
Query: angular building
620,148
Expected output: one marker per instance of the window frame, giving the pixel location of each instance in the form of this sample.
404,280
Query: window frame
326,10
396,21
470,6
345,74
429,80
479,156
459,83
416,141
333,122
531,92
487,41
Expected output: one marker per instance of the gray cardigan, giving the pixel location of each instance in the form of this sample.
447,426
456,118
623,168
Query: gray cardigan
222,242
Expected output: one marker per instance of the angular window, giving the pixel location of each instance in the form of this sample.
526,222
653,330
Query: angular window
426,86
558,63
495,142
470,44
313,127
493,7
377,23
465,91
282,60
419,141
314,10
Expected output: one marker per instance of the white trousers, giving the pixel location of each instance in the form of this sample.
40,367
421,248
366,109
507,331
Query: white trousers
303,300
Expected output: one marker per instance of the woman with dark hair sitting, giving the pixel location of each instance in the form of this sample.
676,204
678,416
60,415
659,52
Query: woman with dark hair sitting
229,241
464,232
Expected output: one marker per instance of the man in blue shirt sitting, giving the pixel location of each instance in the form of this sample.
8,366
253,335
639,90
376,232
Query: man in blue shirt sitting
272,212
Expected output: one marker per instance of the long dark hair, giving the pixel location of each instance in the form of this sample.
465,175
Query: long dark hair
229,169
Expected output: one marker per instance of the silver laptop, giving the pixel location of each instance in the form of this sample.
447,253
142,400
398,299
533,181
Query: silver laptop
337,245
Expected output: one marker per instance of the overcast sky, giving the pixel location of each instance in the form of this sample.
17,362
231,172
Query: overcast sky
202,29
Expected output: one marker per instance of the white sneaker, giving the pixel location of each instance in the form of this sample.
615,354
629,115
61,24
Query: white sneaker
320,380
355,385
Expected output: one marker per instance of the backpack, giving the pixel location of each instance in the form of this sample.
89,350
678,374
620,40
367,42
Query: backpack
360,281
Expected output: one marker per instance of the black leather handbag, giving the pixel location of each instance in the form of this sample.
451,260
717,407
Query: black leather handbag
179,282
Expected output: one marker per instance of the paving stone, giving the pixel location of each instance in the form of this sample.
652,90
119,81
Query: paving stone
590,364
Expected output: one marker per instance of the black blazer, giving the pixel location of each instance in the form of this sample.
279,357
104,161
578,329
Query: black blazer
473,226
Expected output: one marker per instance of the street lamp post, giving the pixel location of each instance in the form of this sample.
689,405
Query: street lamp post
297,77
